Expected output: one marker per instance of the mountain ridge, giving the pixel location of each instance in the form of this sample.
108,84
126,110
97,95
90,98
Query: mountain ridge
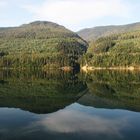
94,33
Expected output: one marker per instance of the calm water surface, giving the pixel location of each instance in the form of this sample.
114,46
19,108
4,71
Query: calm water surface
69,106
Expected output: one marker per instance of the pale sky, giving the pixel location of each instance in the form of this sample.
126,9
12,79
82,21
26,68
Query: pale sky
73,14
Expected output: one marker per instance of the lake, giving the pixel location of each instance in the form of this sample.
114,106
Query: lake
39,105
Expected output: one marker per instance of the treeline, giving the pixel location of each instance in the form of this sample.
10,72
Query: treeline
40,53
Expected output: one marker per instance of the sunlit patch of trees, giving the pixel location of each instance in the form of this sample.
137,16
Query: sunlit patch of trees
115,50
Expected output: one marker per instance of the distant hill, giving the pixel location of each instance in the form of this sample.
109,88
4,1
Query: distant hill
40,44
37,30
90,34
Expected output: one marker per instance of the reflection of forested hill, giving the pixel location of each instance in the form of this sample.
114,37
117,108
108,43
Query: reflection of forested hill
39,92
116,90
45,92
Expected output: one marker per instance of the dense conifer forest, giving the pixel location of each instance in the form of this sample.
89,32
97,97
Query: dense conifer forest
47,45
40,44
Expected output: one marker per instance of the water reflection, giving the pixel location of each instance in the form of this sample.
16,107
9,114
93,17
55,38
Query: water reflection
40,92
38,105
44,92
113,89
73,122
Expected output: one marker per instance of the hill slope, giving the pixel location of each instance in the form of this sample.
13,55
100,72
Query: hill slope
101,31
40,44
118,50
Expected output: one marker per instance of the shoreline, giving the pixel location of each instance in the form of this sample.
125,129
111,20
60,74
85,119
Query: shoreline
83,68
65,68
91,68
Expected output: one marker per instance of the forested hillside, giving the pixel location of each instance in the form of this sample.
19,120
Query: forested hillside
118,50
90,34
40,44
47,45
